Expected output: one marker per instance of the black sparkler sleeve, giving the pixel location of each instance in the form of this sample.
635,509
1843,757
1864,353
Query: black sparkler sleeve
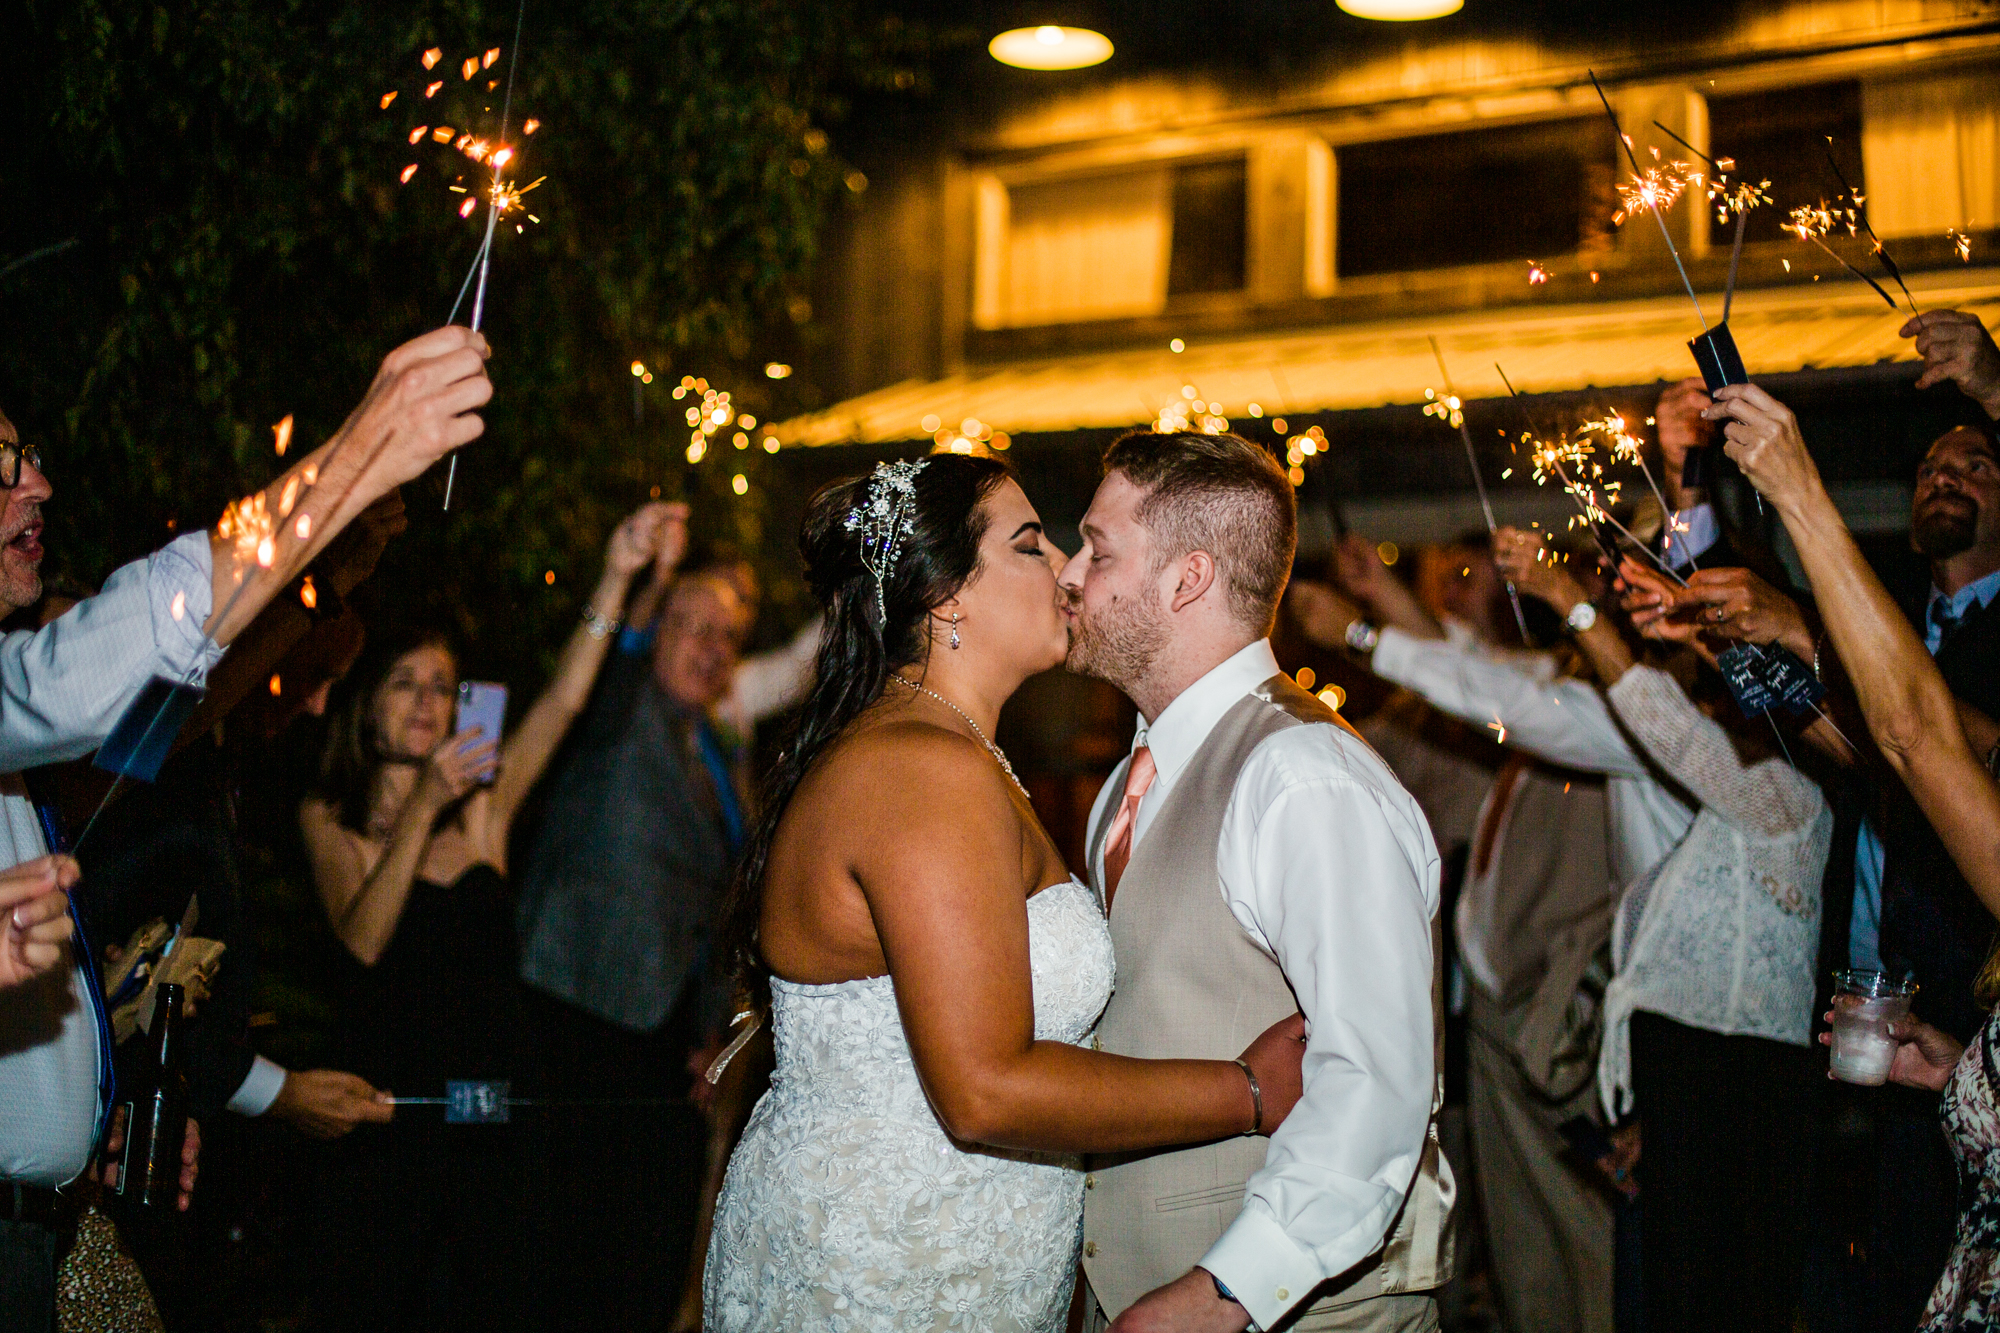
1715,355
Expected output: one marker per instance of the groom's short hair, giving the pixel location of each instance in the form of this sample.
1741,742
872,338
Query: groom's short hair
1220,494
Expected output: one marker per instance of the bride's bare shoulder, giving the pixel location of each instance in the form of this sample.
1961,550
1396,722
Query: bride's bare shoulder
910,764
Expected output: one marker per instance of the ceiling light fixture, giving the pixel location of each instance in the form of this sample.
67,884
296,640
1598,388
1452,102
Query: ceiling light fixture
1050,47
1400,11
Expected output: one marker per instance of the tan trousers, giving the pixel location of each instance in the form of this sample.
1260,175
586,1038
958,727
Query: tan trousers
1416,1313
1548,1226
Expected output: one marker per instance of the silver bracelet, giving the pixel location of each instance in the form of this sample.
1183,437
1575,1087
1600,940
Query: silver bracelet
1362,638
1256,1098
600,627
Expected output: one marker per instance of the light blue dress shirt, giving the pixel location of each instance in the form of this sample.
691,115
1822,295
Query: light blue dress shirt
62,688
1864,927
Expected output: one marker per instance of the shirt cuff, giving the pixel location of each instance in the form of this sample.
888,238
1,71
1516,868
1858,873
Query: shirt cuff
1262,1266
180,580
261,1087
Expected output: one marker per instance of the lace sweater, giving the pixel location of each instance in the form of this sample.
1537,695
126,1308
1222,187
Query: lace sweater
1722,933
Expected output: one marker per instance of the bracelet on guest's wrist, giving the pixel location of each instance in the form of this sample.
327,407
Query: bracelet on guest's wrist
1256,1099
599,626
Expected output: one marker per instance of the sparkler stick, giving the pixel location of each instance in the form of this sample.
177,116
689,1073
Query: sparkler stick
1736,247
483,263
1652,201
1861,212
1478,479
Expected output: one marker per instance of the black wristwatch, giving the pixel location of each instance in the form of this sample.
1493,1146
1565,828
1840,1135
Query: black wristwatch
1222,1291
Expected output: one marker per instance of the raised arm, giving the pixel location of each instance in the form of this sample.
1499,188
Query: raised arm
1910,711
1523,558
654,529
953,925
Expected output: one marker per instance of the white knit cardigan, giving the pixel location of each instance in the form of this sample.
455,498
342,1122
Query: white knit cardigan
1723,933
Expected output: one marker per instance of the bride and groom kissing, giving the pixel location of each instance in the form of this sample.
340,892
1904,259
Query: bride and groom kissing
1236,1018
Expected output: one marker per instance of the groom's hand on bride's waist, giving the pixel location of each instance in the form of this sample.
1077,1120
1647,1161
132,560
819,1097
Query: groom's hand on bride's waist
1188,1304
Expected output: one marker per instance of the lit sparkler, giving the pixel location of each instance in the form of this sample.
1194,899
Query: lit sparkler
1815,222
1961,244
1449,408
1859,212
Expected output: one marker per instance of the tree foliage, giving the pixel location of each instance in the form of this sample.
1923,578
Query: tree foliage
221,182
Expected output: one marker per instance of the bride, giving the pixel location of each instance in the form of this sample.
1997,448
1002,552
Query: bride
931,965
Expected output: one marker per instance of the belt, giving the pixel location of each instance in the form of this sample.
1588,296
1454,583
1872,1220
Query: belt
34,1203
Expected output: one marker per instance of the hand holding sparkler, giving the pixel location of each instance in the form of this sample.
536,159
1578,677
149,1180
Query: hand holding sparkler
34,896
1678,418
422,404
1357,564
1322,614
1955,346
1762,436
1722,603
1526,562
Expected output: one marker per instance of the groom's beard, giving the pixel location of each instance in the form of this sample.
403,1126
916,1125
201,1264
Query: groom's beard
1118,644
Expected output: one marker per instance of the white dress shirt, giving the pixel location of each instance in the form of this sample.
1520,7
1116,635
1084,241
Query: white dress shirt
1328,864
62,688
1565,721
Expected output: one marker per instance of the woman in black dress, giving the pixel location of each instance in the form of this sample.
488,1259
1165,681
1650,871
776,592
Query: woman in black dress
407,834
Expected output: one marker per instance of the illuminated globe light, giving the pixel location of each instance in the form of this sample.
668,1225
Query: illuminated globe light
1400,11
1050,47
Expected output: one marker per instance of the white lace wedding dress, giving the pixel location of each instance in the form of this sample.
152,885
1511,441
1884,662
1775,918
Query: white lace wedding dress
847,1207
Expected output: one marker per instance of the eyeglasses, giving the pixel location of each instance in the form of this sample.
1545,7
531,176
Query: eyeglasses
11,455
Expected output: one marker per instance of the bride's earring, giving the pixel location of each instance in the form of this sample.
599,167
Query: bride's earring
954,629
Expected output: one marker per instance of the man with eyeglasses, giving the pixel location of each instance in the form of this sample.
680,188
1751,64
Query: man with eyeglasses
64,686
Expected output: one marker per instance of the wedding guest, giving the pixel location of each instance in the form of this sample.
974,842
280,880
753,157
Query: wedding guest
620,898
1532,920
407,834
1895,899
1716,1058
1914,718
66,684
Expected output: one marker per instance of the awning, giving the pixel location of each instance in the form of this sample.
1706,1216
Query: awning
1815,325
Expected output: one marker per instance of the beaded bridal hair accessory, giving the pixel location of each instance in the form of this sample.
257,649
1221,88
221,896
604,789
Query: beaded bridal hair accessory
884,519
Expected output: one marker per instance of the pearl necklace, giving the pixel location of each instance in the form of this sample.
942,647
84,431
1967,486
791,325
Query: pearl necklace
992,749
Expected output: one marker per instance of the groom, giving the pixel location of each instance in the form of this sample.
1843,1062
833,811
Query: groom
1253,855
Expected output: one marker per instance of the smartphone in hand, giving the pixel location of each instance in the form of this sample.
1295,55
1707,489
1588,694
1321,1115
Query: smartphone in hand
482,704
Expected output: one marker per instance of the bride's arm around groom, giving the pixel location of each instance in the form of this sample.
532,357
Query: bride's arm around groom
1253,852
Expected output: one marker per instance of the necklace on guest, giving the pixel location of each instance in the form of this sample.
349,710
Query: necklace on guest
999,755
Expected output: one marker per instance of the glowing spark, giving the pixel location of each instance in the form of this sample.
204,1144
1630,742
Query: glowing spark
387,98
443,133
1500,738
470,67
277,686
309,594
304,526
502,158
419,132
1537,275
311,473
465,209
432,91
1961,244
408,172
486,61
432,56
180,606
283,432
531,126
288,498
1658,188
267,551
1447,409
1593,275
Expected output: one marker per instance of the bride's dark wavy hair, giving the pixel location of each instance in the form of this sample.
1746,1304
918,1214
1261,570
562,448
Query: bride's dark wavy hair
860,648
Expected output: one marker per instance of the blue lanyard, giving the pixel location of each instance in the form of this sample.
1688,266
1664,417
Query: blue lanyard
107,1073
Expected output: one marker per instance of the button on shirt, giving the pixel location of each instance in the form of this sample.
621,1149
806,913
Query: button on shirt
1328,864
62,689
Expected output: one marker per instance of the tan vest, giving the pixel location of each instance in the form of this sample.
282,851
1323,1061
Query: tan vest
1192,985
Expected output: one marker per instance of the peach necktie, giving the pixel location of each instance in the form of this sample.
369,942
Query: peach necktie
1118,845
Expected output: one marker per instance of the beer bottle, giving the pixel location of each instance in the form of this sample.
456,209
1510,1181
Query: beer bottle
156,1115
